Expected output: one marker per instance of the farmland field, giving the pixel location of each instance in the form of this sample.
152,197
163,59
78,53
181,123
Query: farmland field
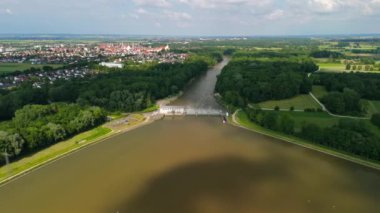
12,67
300,102
339,67
332,67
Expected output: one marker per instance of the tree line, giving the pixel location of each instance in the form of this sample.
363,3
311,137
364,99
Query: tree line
326,54
351,136
37,126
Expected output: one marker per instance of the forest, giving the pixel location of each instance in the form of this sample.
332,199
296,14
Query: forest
124,91
37,126
248,80
346,91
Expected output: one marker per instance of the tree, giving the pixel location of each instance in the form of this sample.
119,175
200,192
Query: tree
47,68
11,143
286,124
348,67
334,101
375,119
270,120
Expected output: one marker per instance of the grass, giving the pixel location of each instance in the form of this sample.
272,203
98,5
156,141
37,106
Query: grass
12,67
372,107
243,121
115,116
300,102
332,67
339,67
319,91
151,109
321,119
53,151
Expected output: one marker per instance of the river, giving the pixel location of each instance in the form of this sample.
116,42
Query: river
195,165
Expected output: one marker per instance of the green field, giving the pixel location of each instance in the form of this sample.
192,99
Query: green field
300,102
322,119
12,67
319,91
332,67
339,67
372,107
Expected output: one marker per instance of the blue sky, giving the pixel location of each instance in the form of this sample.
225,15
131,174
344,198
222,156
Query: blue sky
190,17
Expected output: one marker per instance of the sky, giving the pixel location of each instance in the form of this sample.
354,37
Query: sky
190,17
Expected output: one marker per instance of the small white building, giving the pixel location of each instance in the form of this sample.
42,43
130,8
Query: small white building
167,48
111,65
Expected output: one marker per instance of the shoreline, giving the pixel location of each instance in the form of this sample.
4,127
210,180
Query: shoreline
148,118
113,133
234,121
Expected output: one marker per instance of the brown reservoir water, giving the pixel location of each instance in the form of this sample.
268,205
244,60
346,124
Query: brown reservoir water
195,164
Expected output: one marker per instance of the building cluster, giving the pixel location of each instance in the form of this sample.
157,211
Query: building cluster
44,76
48,54
75,53
117,53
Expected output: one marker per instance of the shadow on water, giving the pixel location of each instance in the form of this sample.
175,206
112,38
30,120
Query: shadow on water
226,182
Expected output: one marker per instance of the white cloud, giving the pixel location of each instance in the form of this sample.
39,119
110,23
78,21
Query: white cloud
325,5
177,16
153,3
141,11
226,4
276,14
8,11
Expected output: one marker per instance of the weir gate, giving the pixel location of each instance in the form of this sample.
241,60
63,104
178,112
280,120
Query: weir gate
184,110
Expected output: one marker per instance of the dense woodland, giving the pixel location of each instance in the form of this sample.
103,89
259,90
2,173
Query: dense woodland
326,54
346,90
247,80
37,126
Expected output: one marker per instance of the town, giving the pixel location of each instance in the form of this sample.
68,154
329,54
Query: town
86,52
39,77
110,55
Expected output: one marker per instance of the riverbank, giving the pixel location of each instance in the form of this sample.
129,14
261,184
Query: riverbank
121,123
240,119
60,150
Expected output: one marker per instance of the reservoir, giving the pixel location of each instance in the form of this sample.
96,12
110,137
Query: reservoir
195,165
